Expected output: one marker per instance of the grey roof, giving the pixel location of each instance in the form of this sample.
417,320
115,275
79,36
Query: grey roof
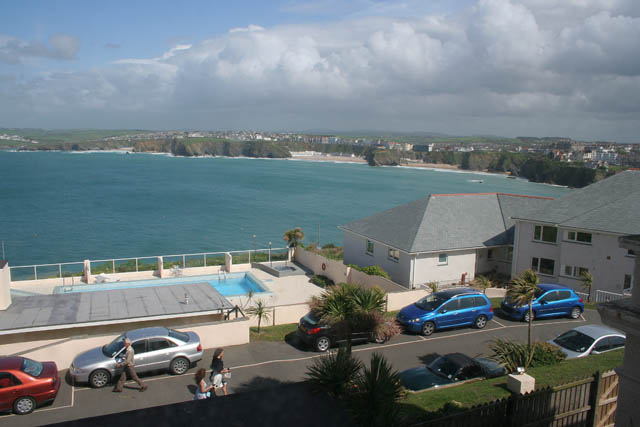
83,307
447,221
610,205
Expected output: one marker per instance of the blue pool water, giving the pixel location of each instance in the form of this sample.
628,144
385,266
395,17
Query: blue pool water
232,285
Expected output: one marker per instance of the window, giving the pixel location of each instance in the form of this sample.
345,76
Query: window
631,253
443,259
543,265
550,296
450,306
466,302
572,271
479,302
490,254
8,380
159,344
394,254
579,236
563,295
543,233
139,346
616,342
628,282
369,247
509,253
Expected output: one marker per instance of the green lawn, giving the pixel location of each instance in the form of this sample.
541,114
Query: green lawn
424,405
272,333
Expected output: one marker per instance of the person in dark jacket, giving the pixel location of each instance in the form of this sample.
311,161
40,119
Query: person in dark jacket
218,371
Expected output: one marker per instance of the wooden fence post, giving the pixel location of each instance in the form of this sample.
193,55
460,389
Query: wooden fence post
594,400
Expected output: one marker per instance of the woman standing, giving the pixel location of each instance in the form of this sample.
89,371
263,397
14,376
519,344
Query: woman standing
203,391
218,372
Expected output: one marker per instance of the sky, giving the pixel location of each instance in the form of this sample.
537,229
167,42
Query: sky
461,67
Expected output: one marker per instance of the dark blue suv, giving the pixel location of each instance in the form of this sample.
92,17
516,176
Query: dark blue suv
447,309
550,300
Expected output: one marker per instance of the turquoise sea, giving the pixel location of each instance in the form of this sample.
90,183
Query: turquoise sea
67,207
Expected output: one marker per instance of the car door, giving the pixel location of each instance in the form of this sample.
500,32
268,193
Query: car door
140,359
160,352
9,390
468,310
607,344
448,314
563,303
546,304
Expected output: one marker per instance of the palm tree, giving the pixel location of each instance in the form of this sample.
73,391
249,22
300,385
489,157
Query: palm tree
482,283
335,372
522,290
587,282
260,311
293,236
377,390
345,306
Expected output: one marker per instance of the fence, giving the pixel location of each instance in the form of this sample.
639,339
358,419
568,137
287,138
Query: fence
605,296
147,263
588,402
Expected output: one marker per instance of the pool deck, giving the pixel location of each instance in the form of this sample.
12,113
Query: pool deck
44,311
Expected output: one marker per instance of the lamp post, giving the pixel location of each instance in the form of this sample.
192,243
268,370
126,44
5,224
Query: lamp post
254,248
270,263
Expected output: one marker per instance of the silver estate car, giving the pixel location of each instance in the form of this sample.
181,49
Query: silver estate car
589,339
155,348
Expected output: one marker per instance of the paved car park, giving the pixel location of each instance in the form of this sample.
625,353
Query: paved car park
260,364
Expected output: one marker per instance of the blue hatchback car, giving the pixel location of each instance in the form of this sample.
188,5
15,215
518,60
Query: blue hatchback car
551,300
447,309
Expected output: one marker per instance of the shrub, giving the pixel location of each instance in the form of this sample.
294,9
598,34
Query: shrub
387,329
334,373
513,355
322,281
375,270
433,286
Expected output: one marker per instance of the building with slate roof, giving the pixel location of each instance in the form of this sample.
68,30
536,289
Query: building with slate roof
579,232
440,238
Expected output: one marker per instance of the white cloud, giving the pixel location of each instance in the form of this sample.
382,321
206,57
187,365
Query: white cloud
60,46
501,67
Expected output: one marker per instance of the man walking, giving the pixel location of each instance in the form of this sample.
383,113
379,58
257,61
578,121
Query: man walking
128,368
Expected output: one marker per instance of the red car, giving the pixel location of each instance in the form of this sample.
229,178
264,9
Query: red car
26,384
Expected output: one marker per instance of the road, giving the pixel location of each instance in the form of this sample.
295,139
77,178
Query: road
259,364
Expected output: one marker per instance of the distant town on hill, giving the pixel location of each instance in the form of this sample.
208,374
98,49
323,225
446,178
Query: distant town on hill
555,160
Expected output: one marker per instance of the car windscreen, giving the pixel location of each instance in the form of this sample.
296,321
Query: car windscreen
444,367
431,302
310,319
31,367
574,341
179,335
113,347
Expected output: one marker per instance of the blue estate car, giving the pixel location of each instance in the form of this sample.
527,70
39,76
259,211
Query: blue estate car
447,309
550,300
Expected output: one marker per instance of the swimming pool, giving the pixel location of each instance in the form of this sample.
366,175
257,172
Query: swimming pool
232,284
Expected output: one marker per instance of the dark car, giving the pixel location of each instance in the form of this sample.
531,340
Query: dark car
550,300
321,336
26,384
447,309
449,369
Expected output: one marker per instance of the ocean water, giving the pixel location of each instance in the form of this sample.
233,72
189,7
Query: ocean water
67,207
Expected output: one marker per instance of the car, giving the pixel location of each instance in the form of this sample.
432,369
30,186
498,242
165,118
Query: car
589,339
447,309
450,369
321,336
26,384
550,300
155,348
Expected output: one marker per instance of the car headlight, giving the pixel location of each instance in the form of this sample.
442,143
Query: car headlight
416,320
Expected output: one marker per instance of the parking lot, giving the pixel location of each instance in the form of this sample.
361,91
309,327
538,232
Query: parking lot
260,364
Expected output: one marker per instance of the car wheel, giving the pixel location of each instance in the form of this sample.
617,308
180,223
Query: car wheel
322,344
99,378
179,366
378,339
24,405
481,321
428,328
526,316
575,312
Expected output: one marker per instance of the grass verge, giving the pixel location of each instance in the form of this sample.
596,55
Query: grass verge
272,333
427,404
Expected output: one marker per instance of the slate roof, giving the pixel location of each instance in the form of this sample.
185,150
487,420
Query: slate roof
447,222
611,205
83,307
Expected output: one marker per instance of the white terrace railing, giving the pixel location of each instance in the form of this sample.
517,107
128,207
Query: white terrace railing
605,296
147,263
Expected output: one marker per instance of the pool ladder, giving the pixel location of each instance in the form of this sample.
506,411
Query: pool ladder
67,288
223,273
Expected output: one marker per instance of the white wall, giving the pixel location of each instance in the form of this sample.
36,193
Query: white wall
429,270
606,261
